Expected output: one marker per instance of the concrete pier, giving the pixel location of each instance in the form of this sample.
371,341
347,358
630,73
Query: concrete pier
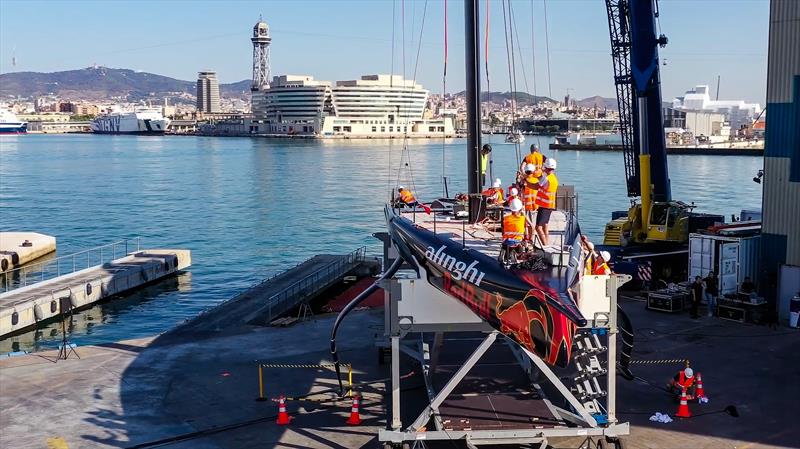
24,307
14,251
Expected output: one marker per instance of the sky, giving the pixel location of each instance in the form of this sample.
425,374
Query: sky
344,39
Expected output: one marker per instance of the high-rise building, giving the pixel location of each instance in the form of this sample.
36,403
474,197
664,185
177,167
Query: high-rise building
208,92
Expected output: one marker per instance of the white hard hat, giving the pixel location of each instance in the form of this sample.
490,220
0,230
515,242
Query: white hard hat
530,168
605,255
400,187
590,245
497,182
688,372
550,163
516,205
514,191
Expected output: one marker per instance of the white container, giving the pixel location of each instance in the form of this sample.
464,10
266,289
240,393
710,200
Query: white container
732,258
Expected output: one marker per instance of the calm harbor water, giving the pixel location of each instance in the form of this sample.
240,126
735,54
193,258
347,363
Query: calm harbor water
250,207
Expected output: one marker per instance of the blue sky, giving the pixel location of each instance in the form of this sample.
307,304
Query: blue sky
344,39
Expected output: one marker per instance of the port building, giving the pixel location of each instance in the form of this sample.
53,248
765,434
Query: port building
736,112
208,93
377,106
780,240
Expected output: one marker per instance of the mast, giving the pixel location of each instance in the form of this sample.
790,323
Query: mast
473,92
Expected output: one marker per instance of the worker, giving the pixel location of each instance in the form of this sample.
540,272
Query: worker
697,295
748,286
405,197
515,229
513,193
684,379
600,265
494,195
529,189
484,162
546,199
535,157
711,284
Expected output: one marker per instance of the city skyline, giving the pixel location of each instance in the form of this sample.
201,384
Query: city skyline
706,40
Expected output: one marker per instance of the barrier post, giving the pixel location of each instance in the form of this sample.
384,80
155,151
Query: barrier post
350,380
260,397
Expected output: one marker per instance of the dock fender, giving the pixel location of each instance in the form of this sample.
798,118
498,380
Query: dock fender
14,318
4,264
89,289
38,313
73,300
145,276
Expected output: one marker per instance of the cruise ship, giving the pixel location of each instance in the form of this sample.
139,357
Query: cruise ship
10,124
374,106
142,120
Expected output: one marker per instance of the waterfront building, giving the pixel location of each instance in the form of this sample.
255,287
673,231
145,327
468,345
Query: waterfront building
372,106
708,126
736,112
208,92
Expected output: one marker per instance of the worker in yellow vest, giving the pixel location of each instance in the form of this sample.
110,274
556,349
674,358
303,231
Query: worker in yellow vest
546,199
535,158
485,152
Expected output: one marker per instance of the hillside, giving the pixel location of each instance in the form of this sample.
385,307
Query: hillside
99,83
523,98
600,102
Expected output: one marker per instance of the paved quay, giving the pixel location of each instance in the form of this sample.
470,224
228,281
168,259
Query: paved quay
195,391
15,253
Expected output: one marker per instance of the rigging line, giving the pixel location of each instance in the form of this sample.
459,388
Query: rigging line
515,30
389,188
413,82
533,50
486,46
512,75
547,42
443,103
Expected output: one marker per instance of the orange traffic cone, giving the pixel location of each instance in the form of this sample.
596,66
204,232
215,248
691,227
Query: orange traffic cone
283,415
683,408
700,392
355,418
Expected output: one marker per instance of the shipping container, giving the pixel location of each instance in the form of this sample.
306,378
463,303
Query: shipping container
732,258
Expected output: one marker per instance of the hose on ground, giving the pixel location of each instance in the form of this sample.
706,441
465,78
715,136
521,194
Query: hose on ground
349,307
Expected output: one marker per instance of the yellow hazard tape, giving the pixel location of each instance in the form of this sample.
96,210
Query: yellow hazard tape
656,362
283,365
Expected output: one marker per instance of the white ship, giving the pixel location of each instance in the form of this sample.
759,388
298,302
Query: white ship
10,124
141,120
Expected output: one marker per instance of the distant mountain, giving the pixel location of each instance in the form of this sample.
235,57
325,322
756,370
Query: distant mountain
100,83
523,98
598,101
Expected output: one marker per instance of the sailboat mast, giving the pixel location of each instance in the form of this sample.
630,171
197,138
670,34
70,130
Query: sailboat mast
473,92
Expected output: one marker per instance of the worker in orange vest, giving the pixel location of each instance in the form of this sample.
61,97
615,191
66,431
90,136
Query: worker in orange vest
684,379
546,199
529,189
535,158
516,228
494,195
600,263
405,197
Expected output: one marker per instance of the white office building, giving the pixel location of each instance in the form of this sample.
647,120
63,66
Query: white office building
373,106
736,112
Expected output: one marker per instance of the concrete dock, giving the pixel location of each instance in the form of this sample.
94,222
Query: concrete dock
197,391
26,306
19,248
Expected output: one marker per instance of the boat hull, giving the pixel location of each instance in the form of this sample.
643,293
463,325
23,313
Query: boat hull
15,128
521,306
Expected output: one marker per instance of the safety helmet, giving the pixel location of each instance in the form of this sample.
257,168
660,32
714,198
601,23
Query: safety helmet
497,183
534,147
530,168
550,163
688,372
605,255
400,187
514,191
516,205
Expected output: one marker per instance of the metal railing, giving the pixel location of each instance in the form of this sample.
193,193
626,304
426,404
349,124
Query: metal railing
285,299
70,263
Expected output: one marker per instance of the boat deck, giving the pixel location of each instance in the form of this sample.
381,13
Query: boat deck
484,236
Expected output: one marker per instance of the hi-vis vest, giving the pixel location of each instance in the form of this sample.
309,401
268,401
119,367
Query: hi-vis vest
600,267
514,227
684,381
546,195
529,193
495,194
406,196
537,159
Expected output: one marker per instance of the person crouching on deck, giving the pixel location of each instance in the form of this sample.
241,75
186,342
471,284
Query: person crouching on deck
515,227
494,195
405,198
